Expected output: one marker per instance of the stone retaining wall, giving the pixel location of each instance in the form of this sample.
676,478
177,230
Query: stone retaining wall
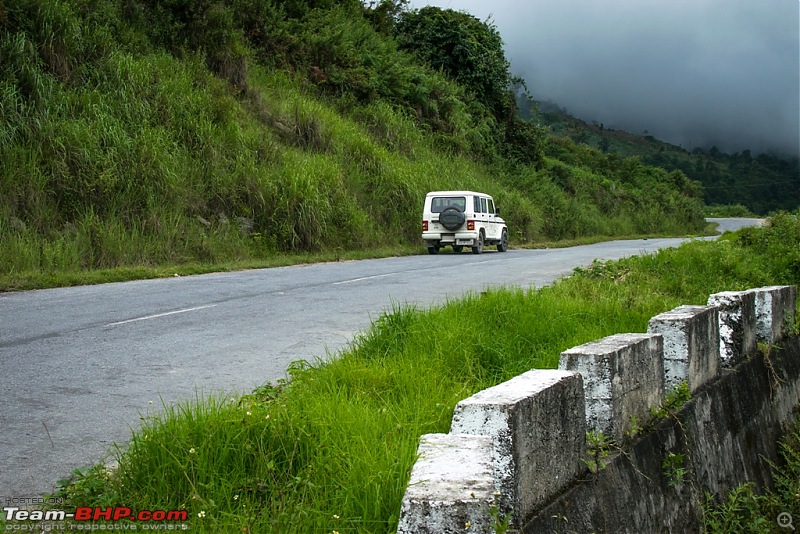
517,452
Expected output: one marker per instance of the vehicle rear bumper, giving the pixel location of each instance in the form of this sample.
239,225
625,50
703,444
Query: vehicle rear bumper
456,238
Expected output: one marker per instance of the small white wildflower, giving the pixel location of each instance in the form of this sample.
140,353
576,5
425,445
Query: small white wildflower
249,413
335,516
191,451
202,513
235,497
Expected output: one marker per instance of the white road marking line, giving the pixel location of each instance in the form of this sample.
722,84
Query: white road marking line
364,278
156,316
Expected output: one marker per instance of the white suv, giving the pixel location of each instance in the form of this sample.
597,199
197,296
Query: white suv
462,218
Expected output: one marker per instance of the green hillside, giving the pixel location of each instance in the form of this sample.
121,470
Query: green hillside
145,133
762,183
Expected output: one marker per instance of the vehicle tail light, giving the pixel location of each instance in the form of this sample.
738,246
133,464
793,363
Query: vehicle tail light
470,225
424,226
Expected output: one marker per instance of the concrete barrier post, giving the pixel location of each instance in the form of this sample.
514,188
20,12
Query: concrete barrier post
691,345
451,488
775,311
537,424
623,376
737,325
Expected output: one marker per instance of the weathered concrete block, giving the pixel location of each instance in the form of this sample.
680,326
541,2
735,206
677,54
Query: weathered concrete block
451,488
538,427
727,436
775,311
691,345
623,376
737,325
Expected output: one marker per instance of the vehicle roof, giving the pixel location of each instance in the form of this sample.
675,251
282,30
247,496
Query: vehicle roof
455,193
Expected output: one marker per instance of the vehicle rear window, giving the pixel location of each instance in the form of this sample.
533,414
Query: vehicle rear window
439,204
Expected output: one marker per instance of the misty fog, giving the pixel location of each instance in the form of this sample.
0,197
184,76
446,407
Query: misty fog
690,72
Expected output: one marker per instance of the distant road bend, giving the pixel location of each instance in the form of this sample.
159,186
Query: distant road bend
80,364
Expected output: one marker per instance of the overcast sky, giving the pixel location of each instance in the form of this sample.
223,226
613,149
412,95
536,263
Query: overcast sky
690,72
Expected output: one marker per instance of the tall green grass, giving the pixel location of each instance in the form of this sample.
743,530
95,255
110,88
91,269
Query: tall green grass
332,448
125,142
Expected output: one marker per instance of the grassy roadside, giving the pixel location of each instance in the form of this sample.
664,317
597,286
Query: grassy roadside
29,280
331,449
42,280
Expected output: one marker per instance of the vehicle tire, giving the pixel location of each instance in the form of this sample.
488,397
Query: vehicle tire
478,249
452,218
458,248
502,246
433,250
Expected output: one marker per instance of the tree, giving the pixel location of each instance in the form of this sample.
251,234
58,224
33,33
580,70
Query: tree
384,14
464,48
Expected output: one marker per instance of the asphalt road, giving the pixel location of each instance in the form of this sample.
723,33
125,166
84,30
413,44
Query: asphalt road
81,365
